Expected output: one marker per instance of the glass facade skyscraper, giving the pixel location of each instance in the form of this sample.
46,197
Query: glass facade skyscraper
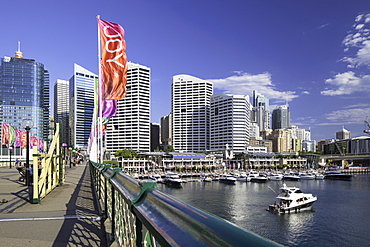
81,105
24,94
281,117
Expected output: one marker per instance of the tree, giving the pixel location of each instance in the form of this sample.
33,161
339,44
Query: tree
169,148
124,153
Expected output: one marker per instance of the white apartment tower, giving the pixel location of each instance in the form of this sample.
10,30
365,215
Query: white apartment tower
61,108
190,108
230,120
130,128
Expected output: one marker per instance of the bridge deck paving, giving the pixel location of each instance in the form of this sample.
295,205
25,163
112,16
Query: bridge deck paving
67,216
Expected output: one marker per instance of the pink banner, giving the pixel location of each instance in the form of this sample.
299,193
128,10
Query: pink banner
113,61
5,137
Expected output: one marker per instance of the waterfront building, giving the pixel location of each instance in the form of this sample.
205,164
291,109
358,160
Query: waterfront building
154,136
281,117
166,126
190,109
61,108
24,94
229,122
81,105
343,134
309,145
130,128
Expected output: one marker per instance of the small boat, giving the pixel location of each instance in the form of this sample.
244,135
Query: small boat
205,178
319,176
243,177
173,179
306,176
292,199
337,175
155,177
275,177
227,178
256,177
291,177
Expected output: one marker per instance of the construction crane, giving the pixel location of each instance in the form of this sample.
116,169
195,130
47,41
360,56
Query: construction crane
367,126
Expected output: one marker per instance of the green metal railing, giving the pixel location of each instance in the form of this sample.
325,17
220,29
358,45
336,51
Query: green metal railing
141,215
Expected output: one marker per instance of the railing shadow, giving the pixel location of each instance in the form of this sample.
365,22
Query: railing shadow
79,227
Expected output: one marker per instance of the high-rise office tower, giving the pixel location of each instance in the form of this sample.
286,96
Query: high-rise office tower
190,108
24,94
154,136
130,128
281,117
166,127
61,108
81,105
230,120
261,111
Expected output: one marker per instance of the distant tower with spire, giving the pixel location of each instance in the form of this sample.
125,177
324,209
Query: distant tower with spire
18,53
343,134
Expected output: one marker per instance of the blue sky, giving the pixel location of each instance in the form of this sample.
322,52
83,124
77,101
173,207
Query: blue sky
313,54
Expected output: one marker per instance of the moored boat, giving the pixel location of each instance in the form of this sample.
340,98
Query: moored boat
292,199
256,177
173,179
205,178
291,177
337,175
306,176
242,177
227,178
275,177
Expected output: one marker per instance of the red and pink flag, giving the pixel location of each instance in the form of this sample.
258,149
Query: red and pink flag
113,60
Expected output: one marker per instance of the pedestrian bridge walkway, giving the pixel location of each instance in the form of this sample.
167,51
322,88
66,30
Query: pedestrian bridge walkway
99,206
68,216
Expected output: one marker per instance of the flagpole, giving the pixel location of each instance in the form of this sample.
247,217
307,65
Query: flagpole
100,134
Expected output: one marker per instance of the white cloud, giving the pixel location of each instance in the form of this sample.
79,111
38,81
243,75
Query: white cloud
357,43
348,116
244,83
347,83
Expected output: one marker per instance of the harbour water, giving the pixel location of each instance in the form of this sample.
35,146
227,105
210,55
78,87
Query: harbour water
340,216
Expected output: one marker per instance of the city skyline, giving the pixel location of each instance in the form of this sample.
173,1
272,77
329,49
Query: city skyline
314,56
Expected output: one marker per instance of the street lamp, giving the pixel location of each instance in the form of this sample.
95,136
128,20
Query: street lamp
27,125
70,154
10,157
64,145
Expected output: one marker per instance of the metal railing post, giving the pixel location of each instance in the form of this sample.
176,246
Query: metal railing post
113,215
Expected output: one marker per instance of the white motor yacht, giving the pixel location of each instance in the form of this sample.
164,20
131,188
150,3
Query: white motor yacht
227,178
291,177
256,177
292,199
242,177
275,177
173,179
205,178
306,176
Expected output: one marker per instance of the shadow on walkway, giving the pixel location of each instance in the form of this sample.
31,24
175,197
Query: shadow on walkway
83,227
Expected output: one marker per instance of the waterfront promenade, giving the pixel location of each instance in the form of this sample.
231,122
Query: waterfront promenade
68,216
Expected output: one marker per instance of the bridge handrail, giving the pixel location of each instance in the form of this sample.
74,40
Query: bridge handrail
169,221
